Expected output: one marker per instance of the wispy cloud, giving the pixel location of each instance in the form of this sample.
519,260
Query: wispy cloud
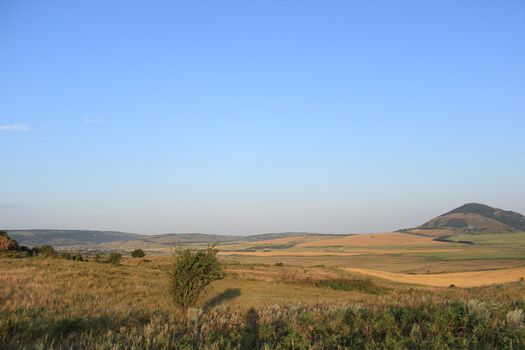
14,127
93,120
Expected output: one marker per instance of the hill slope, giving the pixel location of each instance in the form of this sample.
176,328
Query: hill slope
69,237
171,240
123,240
474,217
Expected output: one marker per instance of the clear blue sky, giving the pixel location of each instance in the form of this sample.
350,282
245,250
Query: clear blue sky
258,116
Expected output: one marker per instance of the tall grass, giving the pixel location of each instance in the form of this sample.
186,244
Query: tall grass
322,326
62,304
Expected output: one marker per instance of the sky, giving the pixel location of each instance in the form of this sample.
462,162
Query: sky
241,117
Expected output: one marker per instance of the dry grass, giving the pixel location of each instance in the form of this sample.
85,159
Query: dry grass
59,304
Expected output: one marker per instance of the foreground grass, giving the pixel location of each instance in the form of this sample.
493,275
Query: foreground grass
58,304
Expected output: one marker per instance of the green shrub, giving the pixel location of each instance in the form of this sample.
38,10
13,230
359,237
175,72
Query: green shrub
77,256
45,251
65,255
138,253
364,286
192,273
114,258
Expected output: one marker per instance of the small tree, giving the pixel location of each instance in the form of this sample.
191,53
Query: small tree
7,243
138,253
114,258
192,273
45,250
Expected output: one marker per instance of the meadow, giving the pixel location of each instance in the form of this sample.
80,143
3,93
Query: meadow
293,293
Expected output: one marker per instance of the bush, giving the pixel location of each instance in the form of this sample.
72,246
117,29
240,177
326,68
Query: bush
114,258
65,255
138,253
192,273
364,286
7,243
45,251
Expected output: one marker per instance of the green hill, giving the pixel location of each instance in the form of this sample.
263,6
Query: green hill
69,237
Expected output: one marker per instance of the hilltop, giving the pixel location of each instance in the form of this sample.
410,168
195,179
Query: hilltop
475,218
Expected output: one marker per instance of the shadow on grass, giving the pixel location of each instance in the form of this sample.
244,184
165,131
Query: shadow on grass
227,294
250,333
55,328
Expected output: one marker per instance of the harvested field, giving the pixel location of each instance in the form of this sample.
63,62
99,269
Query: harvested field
289,253
305,253
371,240
458,279
283,240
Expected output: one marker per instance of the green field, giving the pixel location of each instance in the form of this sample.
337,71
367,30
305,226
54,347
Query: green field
511,238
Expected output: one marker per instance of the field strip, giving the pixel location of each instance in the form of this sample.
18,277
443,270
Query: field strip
288,253
459,279
284,253
372,240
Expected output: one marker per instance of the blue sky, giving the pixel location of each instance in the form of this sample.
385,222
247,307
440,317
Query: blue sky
258,116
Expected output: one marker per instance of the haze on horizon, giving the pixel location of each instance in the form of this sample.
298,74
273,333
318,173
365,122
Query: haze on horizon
231,117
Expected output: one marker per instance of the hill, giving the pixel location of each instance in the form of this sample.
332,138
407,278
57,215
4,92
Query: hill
278,235
170,240
475,218
196,239
69,237
123,240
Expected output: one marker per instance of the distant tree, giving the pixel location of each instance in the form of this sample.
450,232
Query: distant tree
45,251
114,258
65,255
77,256
138,253
25,250
192,273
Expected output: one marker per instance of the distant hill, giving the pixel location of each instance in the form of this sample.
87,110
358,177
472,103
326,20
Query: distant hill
194,239
277,235
69,237
476,218
123,240
181,238
171,240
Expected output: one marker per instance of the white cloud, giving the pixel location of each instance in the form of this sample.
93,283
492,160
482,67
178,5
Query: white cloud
15,127
93,120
